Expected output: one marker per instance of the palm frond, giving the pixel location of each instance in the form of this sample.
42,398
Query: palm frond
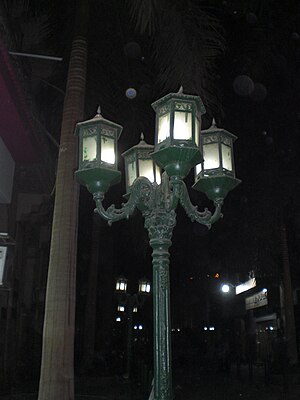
145,14
185,48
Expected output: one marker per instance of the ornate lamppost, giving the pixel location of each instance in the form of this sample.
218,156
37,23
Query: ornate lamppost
129,303
178,148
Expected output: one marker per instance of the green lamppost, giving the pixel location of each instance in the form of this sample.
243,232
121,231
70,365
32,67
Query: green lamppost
130,303
178,148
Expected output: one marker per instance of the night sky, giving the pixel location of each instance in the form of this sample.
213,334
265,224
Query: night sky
256,83
248,76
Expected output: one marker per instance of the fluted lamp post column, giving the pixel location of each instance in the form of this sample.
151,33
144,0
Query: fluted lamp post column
178,148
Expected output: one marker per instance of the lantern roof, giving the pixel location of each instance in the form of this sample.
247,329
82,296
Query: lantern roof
97,118
214,129
180,96
143,145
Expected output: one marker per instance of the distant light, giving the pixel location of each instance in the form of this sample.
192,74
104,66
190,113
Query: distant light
135,327
271,328
211,328
121,308
225,288
130,93
135,309
140,327
217,275
118,319
264,290
205,328
178,329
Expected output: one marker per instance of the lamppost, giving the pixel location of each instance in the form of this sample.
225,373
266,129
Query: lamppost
178,148
129,303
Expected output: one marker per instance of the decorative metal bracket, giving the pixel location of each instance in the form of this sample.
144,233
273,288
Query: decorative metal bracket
148,197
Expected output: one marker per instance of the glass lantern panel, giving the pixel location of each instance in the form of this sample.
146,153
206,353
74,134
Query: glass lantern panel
108,150
226,157
89,148
211,156
182,125
131,169
157,175
144,287
197,133
146,169
121,286
198,169
163,128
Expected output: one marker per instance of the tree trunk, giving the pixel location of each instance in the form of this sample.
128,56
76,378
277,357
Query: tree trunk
57,368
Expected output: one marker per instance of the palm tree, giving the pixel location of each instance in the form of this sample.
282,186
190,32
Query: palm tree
57,372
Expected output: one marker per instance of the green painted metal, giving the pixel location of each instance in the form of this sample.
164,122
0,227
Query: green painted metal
160,224
97,179
177,161
158,203
216,187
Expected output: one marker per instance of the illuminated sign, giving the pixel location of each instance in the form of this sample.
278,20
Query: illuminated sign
259,299
245,286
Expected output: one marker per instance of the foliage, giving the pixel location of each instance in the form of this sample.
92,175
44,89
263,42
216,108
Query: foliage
185,40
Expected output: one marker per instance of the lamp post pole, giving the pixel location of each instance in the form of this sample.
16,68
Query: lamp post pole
160,226
177,149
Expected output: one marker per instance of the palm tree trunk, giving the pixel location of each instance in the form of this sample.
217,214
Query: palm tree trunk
57,368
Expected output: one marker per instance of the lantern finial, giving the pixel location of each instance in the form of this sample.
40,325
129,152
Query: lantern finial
180,91
213,124
98,111
142,137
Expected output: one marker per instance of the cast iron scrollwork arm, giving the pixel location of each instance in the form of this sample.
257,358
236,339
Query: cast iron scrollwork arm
205,217
141,196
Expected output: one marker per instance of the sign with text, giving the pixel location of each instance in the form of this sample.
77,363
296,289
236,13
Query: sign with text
251,283
257,300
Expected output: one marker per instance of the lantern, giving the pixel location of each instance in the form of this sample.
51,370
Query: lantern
121,284
144,286
98,153
178,124
138,162
215,176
